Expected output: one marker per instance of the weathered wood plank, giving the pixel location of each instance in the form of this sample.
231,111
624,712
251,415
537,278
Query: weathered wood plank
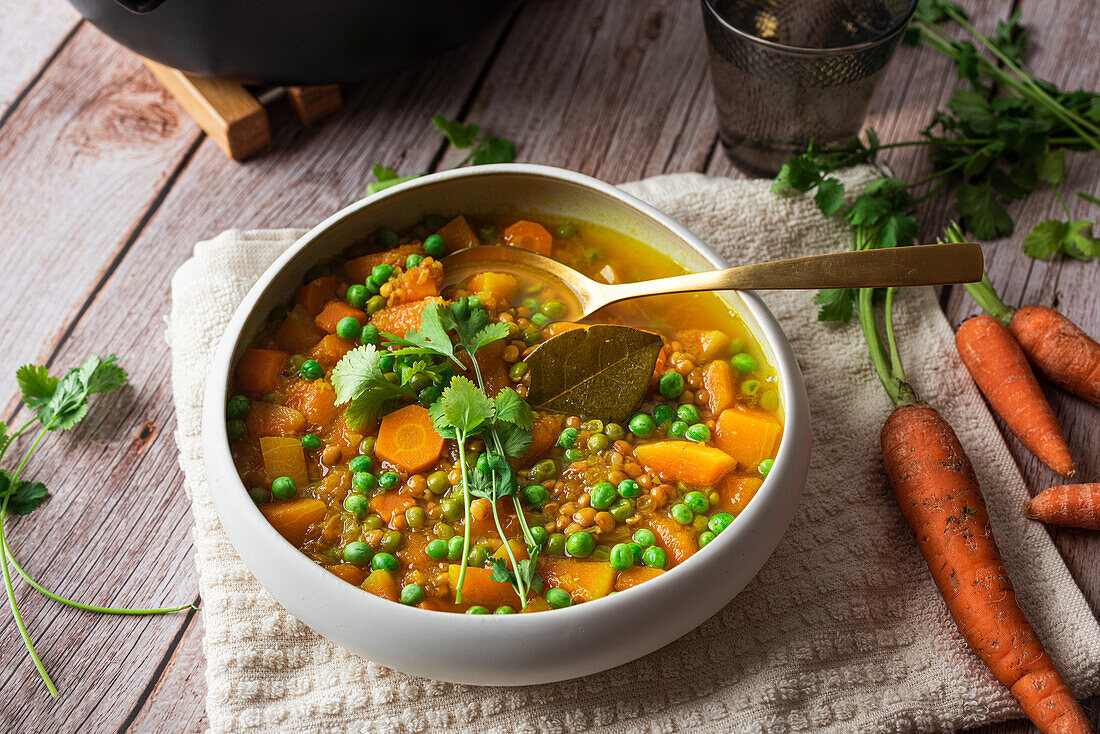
177,703
120,509
31,32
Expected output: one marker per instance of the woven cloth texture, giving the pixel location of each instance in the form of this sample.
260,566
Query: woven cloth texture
842,630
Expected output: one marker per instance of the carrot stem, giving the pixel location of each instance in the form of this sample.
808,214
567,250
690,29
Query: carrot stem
983,293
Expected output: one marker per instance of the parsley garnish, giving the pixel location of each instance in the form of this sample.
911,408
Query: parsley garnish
57,404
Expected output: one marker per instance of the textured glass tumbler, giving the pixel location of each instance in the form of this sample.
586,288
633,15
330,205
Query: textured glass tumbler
786,72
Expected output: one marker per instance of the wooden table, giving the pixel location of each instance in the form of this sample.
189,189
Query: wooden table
107,185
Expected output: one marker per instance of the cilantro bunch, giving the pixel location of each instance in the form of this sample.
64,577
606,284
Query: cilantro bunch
57,404
449,338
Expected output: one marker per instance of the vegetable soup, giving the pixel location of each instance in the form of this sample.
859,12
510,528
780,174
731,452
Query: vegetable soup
382,425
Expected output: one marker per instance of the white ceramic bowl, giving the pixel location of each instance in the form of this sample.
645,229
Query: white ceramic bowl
521,648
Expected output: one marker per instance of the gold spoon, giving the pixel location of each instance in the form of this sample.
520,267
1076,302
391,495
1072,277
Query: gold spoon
897,266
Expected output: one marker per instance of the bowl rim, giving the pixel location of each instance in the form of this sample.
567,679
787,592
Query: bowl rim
780,492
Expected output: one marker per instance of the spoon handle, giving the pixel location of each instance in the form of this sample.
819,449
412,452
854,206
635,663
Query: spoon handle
897,266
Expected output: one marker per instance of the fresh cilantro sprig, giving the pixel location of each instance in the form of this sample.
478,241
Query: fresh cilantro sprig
484,148
360,384
57,404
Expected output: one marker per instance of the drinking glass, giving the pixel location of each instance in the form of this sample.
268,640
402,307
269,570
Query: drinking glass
786,72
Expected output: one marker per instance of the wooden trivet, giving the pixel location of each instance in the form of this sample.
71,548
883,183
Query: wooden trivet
233,116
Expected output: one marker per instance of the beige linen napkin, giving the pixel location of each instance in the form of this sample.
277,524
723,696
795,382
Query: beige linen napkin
842,630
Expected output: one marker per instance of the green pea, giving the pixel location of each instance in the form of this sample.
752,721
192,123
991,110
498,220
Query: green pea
765,467
284,488
614,431
389,480
236,429
540,320
566,438
598,442
539,535
555,545
311,442
347,327
393,540
452,509
552,309
558,598
737,344
361,463
671,384
603,495
645,537
478,556
454,548
435,245
366,446
622,556
357,552
413,261
531,304
602,553
677,429
698,433
372,287
356,295
517,371
381,273
750,387
681,513
386,237
769,400
259,495
436,549
237,407
375,304
535,495
571,455
438,482
688,413
482,463
664,413
628,488
312,370
705,537
697,501
412,594
387,362
532,336
743,362
580,544
356,504
567,231
477,609
443,530
429,395
655,557
642,425
385,562
372,522
543,470
504,609
269,397
363,481
419,381
719,522
416,517
622,509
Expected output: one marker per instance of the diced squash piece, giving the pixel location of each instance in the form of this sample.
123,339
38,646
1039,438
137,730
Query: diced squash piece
685,461
407,438
346,437
382,583
315,399
494,370
519,550
674,538
335,312
719,384
330,350
271,419
458,234
584,580
315,294
259,370
349,572
479,588
499,286
485,526
292,518
398,320
435,604
528,235
734,493
284,457
536,604
416,284
298,333
748,436
631,577
544,434
387,505
412,550
560,327
704,344
359,269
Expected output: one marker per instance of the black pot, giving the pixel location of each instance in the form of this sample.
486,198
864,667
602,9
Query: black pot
291,41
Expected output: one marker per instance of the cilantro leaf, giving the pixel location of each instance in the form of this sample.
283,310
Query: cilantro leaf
900,230
501,572
1051,167
36,385
22,498
511,408
830,196
1053,236
514,440
386,177
359,383
800,173
982,213
487,335
5,439
431,336
463,406
972,108
867,210
493,150
836,304
457,134
69,402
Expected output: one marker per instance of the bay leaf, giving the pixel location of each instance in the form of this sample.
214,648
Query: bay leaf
600,371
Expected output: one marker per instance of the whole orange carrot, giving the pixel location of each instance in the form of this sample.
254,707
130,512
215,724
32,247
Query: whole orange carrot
1064,353
938,493
1072,505
1000,368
